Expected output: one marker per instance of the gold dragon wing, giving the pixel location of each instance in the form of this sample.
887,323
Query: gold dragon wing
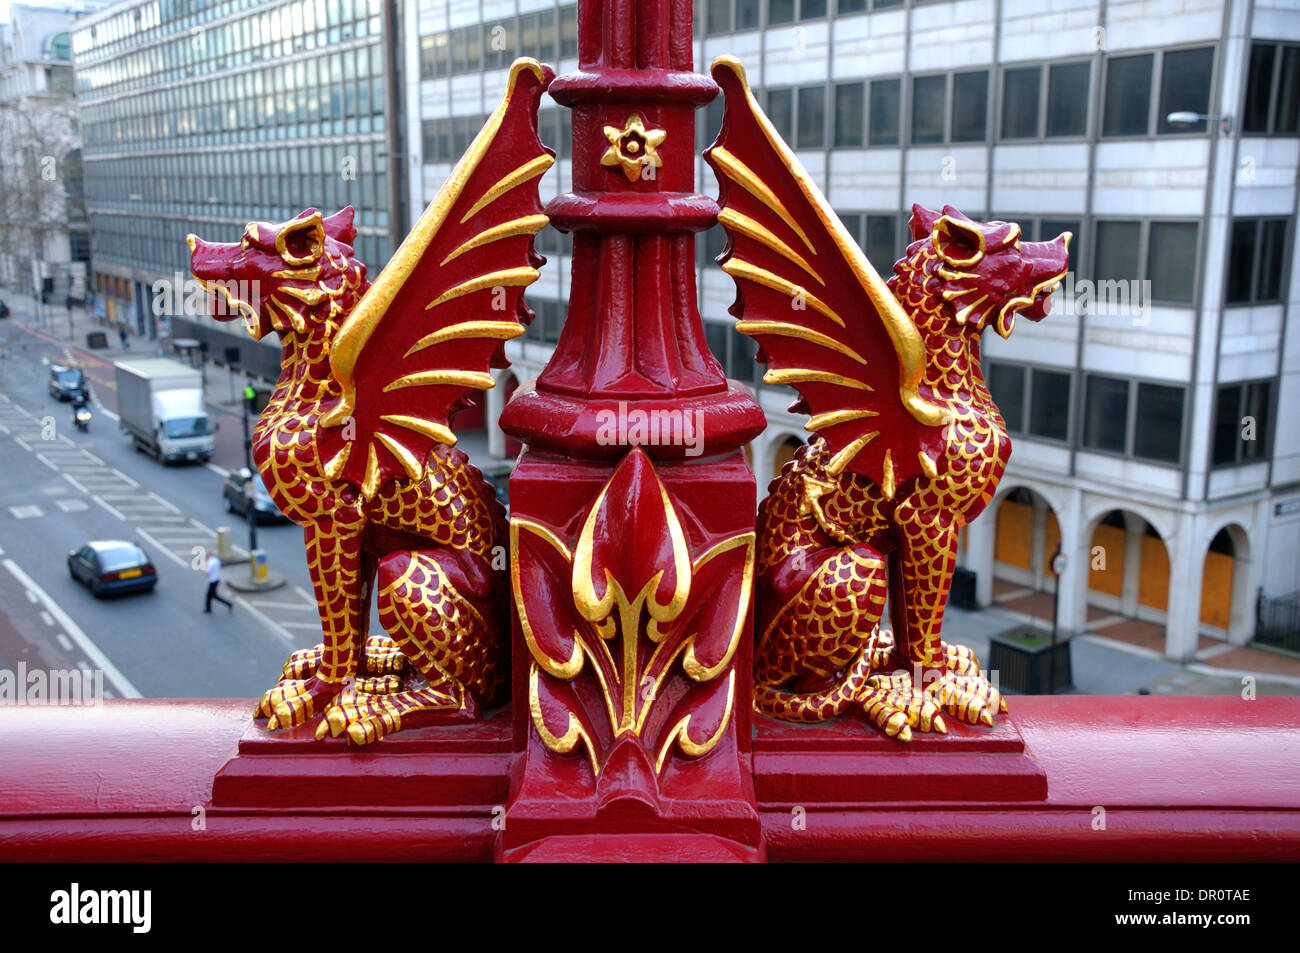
435,321
825,321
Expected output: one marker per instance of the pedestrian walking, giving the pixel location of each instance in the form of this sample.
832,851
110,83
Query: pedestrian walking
121,335
213,567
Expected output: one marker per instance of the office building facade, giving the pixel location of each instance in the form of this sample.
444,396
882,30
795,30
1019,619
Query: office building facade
44,243
202,115
1149,410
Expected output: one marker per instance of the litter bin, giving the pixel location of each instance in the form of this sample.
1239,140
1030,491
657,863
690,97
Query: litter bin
96,340
1022,657
962,594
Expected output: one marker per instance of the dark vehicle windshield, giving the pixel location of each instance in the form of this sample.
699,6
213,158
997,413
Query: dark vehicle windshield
69,377
188,427
121,557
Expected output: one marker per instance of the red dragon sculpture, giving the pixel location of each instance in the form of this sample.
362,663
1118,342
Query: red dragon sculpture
908,445
356,445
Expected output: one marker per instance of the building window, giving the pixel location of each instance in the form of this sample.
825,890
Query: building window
747,14
885,111
1185,87
1106,414
718,16
812,117
850,109
1242,419
1163,253
1171,262
1256,260
1273,90
928,98
1158,424
1154,431
780,109
1032,400
1020,89
970,106
1007,386
780,11
1067,99
1185,77
1127,110
950,107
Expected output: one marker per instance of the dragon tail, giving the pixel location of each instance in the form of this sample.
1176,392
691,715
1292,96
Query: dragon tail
810,707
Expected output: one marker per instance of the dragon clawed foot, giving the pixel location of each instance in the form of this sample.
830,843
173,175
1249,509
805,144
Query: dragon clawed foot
896,706
293,701
968,697
363,711
381,657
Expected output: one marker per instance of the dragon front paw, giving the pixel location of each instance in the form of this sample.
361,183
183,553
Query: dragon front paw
303,663
364,713
896,706
293,702
969,697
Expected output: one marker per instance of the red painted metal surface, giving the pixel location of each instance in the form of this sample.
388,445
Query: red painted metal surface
1179,779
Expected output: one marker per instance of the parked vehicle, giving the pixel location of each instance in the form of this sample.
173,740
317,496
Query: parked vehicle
4,310
160,404
81,415
243,491
112,567
499,477
68,382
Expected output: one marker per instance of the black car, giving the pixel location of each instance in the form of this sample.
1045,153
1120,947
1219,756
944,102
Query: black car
243,491
112,567
4,310
499,477
68,383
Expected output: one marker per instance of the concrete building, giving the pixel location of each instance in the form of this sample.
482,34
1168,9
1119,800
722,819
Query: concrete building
1145,411
44,245
202,115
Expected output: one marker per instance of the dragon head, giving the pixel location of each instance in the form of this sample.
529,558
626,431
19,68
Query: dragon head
290,278
980,273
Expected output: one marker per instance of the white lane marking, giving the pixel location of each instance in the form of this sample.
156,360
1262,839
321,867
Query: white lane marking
305,594
23,443
165,503
107,506
124,686
163,549
301,625
79,486
125,477
47,618
91,457
65,643
31,596
295,606
219,471
108,413
276,629
27,512
52,466
72,506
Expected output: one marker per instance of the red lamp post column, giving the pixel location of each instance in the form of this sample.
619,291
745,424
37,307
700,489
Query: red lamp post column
632,506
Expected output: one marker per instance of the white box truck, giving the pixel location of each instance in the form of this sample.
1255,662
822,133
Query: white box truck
160,403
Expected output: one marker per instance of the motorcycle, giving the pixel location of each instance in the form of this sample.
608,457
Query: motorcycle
81,417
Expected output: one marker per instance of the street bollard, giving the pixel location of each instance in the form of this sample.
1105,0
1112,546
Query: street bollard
257,566
225,544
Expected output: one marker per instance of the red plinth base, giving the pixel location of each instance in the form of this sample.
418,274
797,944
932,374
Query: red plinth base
849,762
438,766
1128,778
